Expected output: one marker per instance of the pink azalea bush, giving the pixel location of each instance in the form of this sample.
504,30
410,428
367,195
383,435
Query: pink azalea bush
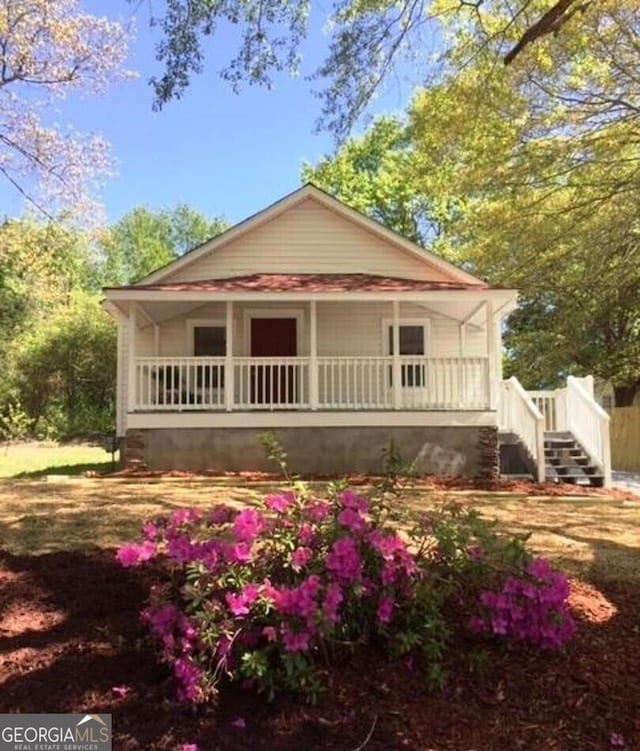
266,595
531,609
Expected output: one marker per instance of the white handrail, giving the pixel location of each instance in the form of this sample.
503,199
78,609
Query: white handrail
342,383
518,414
589,423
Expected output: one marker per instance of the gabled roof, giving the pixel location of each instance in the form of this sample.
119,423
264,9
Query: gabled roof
315,283
288,202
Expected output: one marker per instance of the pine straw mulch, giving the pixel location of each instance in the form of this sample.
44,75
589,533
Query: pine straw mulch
69,634
422,482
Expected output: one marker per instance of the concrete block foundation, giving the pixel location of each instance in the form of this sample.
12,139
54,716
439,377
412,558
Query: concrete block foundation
468,451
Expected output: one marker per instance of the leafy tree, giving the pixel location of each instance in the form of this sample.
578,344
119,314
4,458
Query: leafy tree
39,265
65,369
534,170
48,49
373,174
367,39
144,240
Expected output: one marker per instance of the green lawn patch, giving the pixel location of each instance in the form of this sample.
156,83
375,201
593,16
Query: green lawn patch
32,460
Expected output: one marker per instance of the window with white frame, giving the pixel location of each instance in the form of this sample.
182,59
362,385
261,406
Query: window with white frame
412,336
208,339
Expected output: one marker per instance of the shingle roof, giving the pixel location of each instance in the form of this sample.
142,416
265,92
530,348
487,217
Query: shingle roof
309,283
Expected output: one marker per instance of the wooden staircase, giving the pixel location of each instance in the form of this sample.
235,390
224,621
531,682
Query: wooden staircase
567,461
554,436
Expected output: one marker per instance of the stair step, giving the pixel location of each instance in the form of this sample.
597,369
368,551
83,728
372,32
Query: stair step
563,443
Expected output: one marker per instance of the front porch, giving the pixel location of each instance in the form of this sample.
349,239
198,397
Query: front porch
199,384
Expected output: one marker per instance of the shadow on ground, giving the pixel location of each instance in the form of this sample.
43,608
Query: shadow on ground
70,632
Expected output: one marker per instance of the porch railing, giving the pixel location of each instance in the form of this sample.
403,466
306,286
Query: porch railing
573,409
338,383
519,414
589,423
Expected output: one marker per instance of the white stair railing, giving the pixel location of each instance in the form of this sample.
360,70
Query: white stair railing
553,406
518,414
589,424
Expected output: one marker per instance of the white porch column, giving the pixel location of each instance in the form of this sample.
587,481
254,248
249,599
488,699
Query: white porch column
498,345
492,375
463,339
397,367
132,324
313,355
229,380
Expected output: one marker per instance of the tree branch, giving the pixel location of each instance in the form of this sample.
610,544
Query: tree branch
549,23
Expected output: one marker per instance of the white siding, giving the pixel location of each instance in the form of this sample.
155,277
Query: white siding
308,238
476,339
344,329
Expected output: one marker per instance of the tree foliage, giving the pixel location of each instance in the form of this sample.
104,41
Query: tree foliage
373,174
535,169
368,40
144,240
58,352
49,49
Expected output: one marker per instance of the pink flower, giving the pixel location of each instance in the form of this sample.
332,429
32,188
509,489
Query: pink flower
180,549
239,553
343,560
385,610
120,691
279,503
185,516
240,723
348,499
294,642
332,599
475,553
317,511
300,557
189,747
270,634
538,568
305,535
221,513
239,604
352,520
247,525
135,554
149,531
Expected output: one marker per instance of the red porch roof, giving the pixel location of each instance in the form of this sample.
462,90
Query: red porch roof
308,283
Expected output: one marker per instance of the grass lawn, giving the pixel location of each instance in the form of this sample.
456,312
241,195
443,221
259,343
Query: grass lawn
38,459
591,535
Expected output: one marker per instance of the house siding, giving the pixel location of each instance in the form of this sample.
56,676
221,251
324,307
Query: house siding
346,329
308,238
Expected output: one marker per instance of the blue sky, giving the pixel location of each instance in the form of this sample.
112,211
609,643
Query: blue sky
219,152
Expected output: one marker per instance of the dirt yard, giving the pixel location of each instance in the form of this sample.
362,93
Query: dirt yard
71,641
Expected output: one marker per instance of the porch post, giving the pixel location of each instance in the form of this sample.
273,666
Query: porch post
229,380
463,339
313,355
132,325
397,367
491,356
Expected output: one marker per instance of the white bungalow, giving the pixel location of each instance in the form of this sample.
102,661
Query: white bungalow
313,321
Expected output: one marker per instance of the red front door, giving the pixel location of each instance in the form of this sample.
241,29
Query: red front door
273,337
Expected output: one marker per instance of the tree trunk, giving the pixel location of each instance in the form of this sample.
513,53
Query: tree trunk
624,395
